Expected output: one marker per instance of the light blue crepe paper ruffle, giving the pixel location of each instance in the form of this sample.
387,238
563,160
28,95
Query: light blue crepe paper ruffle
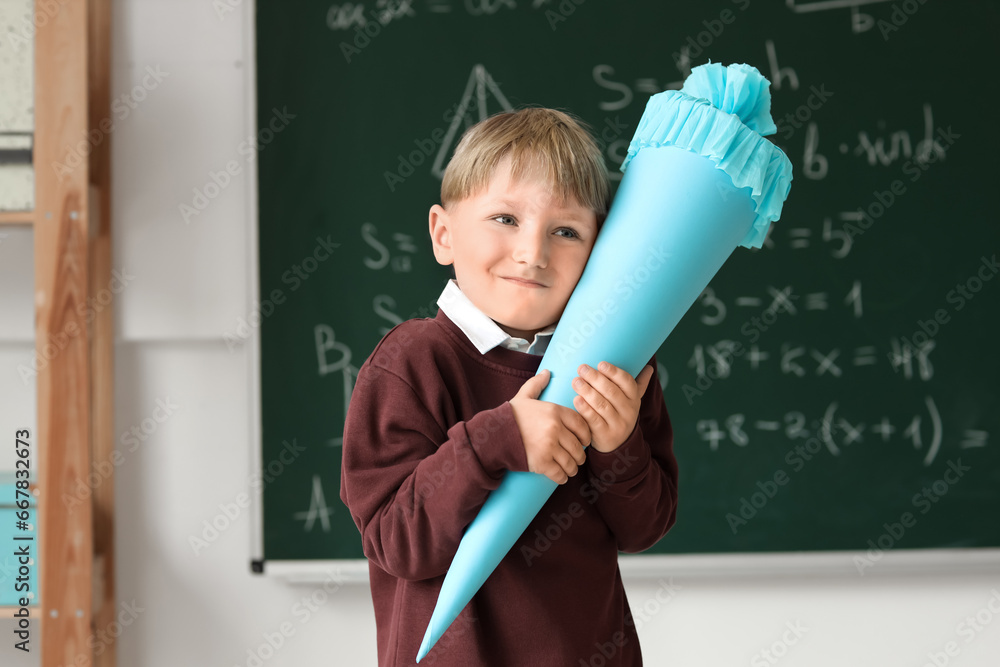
738,89
722,113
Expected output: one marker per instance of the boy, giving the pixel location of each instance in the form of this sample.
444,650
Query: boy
445,405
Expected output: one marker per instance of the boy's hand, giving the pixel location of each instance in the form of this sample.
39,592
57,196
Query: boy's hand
609,401
554,436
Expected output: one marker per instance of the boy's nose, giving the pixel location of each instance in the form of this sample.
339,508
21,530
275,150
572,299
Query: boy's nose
531,248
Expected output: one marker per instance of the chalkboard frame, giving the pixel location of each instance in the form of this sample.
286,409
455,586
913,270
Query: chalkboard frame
636,568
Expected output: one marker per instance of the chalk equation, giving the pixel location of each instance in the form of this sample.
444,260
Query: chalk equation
383,257
836,238
318,509
882,147
835,432
861,22
617,92
346,16
718,361
714,310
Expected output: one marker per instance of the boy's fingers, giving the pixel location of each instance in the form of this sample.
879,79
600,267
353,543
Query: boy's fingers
575,422
574,448
557,474
566,462
624,381
533,386
612,384
536,384
643,379
618,376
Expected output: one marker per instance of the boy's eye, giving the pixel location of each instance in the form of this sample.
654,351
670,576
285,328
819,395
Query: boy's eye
502,218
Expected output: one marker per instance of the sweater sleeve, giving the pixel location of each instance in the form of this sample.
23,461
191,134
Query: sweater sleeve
412,487
636,485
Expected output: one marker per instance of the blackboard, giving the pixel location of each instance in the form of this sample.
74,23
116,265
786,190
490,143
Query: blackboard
835,390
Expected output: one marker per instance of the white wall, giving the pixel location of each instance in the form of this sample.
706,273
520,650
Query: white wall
191,282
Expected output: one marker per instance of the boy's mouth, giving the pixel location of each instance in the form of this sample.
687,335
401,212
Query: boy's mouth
523,283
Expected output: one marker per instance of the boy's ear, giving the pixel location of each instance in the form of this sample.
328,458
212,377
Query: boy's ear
438,224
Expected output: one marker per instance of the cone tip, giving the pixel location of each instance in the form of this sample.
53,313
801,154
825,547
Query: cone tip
425,646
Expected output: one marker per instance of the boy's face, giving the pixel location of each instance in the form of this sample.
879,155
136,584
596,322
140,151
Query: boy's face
515,230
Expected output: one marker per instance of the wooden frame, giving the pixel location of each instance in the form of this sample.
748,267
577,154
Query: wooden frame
62,336
72,252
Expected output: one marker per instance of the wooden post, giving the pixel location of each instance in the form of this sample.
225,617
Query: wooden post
62,342
74,356
103,348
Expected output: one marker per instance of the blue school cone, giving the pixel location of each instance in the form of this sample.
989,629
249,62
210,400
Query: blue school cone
701,180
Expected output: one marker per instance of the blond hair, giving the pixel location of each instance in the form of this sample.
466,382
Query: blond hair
538,140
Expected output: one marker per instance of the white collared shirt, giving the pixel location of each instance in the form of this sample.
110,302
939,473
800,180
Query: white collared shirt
484,333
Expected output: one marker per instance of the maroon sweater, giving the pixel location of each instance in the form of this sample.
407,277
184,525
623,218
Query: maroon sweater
429,433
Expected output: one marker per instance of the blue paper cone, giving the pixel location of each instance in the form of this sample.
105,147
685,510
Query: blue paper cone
699,182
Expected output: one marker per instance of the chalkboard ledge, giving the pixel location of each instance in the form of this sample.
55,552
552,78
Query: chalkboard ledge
639,568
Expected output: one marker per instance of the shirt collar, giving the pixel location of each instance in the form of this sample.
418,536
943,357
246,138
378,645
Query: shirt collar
484,333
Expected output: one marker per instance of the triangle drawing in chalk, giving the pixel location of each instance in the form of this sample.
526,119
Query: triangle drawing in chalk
468,114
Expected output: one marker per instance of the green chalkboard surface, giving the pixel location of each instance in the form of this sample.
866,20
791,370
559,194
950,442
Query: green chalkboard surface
835,389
